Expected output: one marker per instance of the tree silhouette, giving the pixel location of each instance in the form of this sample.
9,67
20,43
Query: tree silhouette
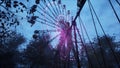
9,50
39,53
107,53
9,18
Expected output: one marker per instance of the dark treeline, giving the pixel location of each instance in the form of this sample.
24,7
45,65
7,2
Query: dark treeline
39,53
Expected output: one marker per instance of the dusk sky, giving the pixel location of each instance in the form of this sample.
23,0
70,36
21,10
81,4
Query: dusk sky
59,33
103,10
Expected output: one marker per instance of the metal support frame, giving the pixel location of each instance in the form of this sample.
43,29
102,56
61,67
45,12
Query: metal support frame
80,4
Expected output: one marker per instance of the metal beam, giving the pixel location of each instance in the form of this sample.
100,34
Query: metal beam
80,4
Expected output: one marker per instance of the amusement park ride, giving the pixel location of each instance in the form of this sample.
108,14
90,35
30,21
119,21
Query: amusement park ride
53,17
54,14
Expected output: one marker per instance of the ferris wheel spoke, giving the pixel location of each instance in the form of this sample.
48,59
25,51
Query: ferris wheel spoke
59,6
46,16
46,24
51,11
63,9
53,7
66,13
46,13
83,44
48,21
56,7
53,38
48,7
54,14
49,30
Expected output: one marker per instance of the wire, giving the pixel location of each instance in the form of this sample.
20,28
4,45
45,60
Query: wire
81,28
52,7
59,6
114,11
56,7
50,22
110,45
76,53
53,38
90,64
102,53
48,7
46,24
43,9
118,2
82,24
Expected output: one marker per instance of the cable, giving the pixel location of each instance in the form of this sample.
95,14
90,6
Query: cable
90,42
114,11
52,7
110,45
56,8
77,57
47,14
59,6
81,29
90,64
118,2
48,7
50,22
102,53
46,24
53,38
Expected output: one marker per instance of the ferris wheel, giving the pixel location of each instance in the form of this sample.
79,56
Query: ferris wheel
56,20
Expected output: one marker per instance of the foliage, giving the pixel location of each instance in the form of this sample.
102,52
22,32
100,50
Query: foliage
102,49
9,40
9,50
39,52
8,17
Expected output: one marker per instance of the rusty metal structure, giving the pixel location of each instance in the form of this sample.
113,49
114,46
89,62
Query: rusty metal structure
54,15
